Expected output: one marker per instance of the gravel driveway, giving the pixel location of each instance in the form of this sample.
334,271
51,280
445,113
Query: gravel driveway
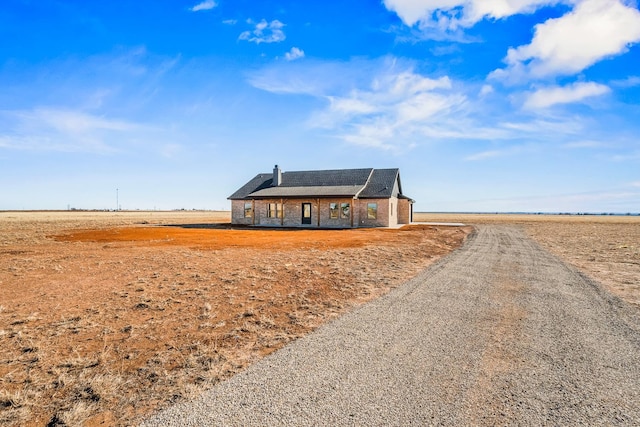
499,332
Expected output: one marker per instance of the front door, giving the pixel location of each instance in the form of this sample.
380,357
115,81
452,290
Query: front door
306,213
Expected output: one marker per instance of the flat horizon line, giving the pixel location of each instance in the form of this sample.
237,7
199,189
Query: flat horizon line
415,212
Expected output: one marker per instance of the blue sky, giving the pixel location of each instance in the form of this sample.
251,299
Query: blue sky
484,105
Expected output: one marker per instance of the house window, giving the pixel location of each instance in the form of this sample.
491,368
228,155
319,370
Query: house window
333,210
372,210
248,210
274,210
344,210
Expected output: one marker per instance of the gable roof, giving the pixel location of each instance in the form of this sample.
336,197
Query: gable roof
382,184
362,183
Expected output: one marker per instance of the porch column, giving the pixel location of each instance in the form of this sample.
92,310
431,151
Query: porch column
253,212
351,210
282,212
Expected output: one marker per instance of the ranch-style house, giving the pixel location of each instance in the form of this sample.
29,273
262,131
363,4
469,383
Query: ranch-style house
343,198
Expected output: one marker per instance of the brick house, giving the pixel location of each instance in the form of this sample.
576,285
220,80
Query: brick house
344,198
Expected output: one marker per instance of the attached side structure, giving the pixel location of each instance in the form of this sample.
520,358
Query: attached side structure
342,198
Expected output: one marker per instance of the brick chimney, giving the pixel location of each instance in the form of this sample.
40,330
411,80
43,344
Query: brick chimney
277,176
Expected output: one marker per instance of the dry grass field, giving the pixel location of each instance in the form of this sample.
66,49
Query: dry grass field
607,248
107,316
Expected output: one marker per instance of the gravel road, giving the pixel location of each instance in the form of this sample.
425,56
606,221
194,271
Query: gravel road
499,332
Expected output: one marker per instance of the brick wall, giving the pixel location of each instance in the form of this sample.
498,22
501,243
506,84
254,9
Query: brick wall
237,213
293,213
389,213
325,213
404,211
261,208
382,217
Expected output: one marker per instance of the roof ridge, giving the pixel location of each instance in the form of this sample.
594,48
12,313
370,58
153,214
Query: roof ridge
365,184
326,170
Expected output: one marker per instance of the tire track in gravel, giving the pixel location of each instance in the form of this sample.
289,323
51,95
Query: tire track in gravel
499,332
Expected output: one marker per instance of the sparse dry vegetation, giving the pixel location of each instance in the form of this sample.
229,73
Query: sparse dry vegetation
105,317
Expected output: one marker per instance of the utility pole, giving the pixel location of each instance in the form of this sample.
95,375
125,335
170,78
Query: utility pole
117,201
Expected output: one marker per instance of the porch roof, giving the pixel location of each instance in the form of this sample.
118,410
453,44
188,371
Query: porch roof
308,191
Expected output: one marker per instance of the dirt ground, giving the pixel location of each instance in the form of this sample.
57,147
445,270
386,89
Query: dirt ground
107,316
607,248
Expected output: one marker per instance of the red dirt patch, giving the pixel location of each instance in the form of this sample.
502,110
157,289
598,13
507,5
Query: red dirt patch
205,237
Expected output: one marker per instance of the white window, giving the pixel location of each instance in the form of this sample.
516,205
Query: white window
344,210
248,210
274,210
372,210
333,210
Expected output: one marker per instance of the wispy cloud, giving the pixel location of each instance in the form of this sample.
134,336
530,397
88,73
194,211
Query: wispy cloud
387,104
393,110
550,96
204,5
592,31
230,21
584,144
486,90
626,157
611,200
383,104
51,129
264,32
126,80
631,81
171,150
293,54
503,151
313,77
485,155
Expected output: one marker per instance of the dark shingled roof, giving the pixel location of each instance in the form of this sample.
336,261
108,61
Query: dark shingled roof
381,184
338,177
260,181
363,183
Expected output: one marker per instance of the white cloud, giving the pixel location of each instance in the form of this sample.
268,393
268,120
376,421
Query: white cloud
584,144
386,103
265,32
505,150
382,103
396,109
294,54
230,21
448,15
313,77
352,106
631,81
594,202
74,122
50,129
486,90
628,156
485,155
204,5
549,96
591,32
171,150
